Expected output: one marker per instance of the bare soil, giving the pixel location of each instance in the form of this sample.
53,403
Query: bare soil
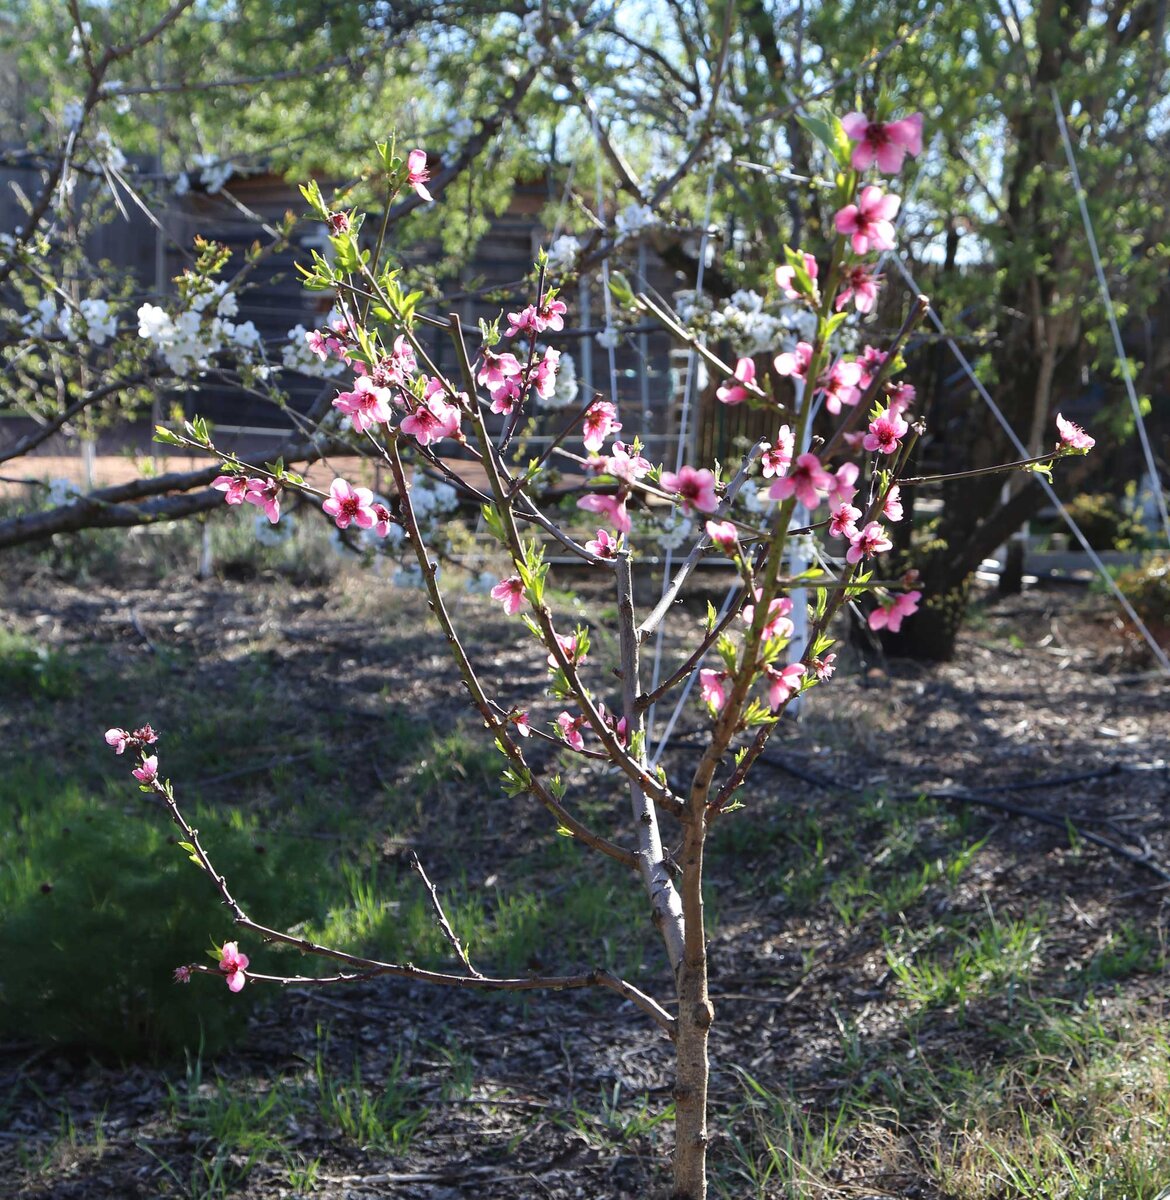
1046,709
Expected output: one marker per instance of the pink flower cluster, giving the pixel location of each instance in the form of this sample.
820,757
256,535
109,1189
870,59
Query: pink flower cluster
241,489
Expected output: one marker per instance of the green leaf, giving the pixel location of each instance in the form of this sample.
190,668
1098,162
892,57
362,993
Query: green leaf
166,436
619,288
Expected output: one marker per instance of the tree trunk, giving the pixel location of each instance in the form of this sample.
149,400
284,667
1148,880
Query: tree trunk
695,1016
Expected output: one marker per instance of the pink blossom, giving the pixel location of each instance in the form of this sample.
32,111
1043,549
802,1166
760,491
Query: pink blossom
551,314
890,616
696,489
783,683
339,222
418,175
844,483
871,362
892,509
734,393
626,466
869,222
366,406
182,974
843,523
900,396
713,689
786,279
234,487
807,481
867,542
571,730
839,385
265,494
233,964
794,362
147,770
600,421
145,735
612,507
348,504
118,738
384,518
777,458
519,718
884,431
526,321
544,374
496,369
778,624
861,286
506,395
321,345
392,370
824,667
723,534
569,647
433,420
1073,437
604,545
887,144
510,593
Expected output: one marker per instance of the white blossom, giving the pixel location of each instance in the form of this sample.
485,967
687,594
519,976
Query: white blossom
632,220
609,337
563,253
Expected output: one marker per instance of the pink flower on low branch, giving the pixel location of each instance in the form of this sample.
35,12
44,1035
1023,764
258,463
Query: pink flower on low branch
786,279
723,534
611,507
348,505
600,421
808,481
887,143
824,667
234,487
233,964
433,420
869,222
570,728
519,718
696,489
778,624
417,175
265,495
777,458
182,975
794,362
843,523
838,385
1072,437
118,738
604,545
885,432
713,689
736,393
506,396
867,542
783,683
147,770
510,593
860,286
890,616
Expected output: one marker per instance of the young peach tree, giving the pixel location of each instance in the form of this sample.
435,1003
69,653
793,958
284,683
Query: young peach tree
833,470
